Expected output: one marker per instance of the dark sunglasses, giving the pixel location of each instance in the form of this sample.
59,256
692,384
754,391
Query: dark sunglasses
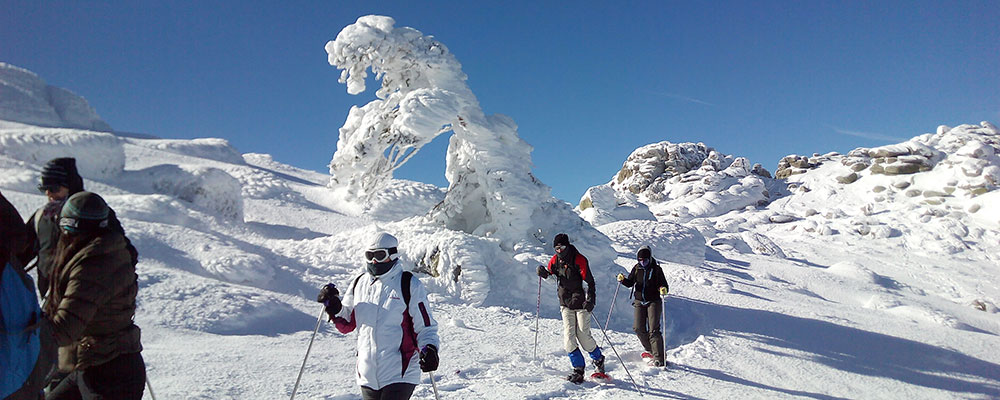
48,188
379,255
560,248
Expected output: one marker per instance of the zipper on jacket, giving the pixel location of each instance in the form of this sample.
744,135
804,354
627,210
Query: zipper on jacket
374,335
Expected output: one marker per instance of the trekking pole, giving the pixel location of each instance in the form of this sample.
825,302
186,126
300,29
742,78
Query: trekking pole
663,328
538,307
148,385
612,304
434,385
319,320
616,354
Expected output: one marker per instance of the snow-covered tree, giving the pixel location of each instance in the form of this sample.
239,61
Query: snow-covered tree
491,192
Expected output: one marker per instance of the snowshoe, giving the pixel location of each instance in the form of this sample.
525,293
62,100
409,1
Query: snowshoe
601,377
576,376
599,366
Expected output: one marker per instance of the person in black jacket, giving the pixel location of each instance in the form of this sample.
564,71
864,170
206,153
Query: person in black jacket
60,179
575,303
648,285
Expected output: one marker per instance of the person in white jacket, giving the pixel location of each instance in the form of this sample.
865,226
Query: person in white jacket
394,337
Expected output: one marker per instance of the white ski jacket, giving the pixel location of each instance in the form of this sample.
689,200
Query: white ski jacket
390,336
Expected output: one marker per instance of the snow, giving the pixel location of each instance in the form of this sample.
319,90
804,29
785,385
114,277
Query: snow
26,98
818,288
492,192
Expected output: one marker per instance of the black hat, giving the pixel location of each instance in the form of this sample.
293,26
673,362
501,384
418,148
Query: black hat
61,172
560,240
644,253
84,212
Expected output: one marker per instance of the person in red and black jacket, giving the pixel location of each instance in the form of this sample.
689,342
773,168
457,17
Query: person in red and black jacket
572,271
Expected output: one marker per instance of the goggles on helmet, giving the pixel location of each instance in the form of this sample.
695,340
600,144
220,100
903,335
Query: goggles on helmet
379,255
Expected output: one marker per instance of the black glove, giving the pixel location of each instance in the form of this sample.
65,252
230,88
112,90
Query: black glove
429,358
542,272
589,305
328,295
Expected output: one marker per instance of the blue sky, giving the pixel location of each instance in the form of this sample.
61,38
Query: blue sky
587,82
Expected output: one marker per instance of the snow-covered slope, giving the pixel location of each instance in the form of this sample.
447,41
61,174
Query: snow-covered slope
767,310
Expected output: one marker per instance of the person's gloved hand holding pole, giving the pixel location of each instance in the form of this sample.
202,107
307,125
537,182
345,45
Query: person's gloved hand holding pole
429,358
329,296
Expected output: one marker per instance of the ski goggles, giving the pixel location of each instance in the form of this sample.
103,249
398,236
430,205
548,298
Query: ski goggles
74,225
560,248
379,255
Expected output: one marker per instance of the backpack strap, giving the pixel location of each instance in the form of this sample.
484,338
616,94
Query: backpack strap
405,286
404,283
355,284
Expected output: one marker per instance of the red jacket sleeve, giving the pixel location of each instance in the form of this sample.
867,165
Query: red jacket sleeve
584,266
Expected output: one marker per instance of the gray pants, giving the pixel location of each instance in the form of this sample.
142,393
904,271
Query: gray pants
395,391
647,328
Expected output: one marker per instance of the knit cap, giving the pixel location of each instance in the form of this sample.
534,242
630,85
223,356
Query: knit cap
61,172
561,239
84,212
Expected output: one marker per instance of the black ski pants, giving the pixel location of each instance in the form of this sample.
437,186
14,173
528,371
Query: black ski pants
395,391
647,328
123,378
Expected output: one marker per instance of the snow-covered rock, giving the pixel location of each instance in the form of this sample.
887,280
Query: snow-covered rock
602,204
683,181
927,192
26,98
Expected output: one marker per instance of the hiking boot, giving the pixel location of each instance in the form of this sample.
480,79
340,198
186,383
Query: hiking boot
646,356
599,365
576,376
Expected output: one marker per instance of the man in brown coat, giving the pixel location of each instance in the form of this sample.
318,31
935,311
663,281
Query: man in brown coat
91,304
59,180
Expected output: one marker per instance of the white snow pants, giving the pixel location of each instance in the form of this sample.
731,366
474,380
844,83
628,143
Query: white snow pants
576,327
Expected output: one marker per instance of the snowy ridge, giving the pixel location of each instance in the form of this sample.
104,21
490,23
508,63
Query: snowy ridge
26,98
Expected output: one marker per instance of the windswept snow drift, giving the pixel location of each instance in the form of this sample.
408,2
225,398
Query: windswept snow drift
26,98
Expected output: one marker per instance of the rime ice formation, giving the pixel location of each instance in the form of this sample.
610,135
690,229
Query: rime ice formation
492,192
26,98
